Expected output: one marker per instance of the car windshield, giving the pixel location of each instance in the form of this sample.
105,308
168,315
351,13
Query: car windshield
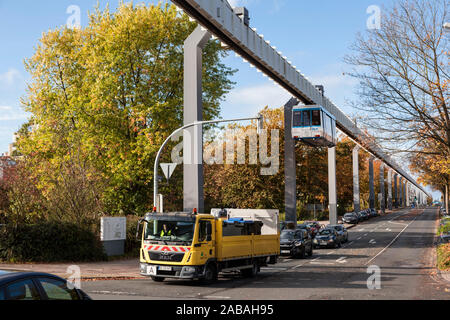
287,235
169,231
348,215
325,232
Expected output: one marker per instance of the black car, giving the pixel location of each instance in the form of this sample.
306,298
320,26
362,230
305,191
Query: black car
350,218
373,212
37,286
296,243
341,230
327,237
364,215
307,227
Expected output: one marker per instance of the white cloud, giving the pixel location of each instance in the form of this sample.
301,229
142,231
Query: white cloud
8,113
10,77
254,98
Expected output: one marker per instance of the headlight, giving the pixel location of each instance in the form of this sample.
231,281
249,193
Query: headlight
315,240
189,269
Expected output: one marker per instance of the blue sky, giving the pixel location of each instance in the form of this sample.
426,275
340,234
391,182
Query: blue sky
314,35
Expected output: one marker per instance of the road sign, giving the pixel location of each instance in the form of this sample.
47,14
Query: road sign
168,169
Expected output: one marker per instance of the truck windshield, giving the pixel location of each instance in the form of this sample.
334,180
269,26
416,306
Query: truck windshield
169,231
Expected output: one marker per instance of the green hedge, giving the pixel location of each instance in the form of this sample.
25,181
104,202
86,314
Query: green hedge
49,242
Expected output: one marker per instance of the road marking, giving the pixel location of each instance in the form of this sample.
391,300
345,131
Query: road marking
331,252
341,260
398,235
359,238
322,263
365,235
216,297
372,241
387,229
114,293
346,245
274,268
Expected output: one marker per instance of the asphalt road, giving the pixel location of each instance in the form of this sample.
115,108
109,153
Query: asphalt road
399,244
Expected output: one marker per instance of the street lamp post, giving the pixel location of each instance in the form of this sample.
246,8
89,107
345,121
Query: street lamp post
260,124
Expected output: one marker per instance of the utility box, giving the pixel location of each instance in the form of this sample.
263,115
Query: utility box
113,235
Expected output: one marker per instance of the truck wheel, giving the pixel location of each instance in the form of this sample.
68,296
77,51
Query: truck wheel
158,279
273,260
251,272
210,274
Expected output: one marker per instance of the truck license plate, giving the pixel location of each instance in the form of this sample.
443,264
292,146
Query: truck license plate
151,270
285,251
164,268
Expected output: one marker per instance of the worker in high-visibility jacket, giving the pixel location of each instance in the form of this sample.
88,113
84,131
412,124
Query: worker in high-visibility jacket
165,232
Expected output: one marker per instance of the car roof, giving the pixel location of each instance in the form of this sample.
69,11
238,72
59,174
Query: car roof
7,276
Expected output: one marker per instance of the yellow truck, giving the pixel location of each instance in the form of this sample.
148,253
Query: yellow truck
200,246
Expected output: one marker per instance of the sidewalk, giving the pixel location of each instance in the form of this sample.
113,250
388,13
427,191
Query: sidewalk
120,269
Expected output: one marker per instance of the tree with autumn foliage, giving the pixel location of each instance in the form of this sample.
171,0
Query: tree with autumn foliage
403,72
103,99
243,186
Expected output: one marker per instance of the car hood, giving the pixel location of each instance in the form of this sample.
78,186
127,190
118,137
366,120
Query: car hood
323,237
286,242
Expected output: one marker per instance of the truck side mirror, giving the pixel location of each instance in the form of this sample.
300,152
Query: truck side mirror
137,228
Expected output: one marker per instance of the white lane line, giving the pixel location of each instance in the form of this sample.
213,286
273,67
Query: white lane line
365,235
217,297
331,252
372,241
322,263
359,238
315,259
398,235
346,245
341,260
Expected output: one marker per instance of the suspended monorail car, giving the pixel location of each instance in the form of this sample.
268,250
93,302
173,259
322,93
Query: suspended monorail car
314,125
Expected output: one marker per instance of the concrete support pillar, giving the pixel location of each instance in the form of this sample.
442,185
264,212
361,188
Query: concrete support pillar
332,195
371,185
395,191
446,198
290,191
356,196
390,189
408,199
400,191
382,193
193,180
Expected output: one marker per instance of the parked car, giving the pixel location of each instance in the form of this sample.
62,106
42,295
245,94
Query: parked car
341,230
37,286
305,226
296,243
315,227
327,237
364,214
359,216
373,213
350,218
